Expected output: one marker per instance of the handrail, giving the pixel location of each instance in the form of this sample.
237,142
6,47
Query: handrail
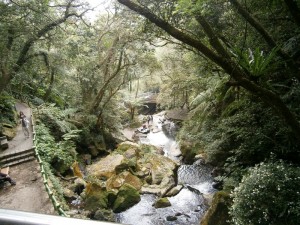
13,217
56,204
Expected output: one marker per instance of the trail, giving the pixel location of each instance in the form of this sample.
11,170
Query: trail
29,193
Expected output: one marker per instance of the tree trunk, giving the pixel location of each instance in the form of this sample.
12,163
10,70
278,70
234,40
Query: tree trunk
49,89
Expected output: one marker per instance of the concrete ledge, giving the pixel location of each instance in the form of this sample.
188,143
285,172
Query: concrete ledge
3,143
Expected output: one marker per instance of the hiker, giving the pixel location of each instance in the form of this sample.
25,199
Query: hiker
25,124
5,177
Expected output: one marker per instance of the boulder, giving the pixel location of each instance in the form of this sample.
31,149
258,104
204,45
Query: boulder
126,198
159,189
126,164
117,181
104,215
174,191
161,167
217,213
96,197
162,203
171,218
105,167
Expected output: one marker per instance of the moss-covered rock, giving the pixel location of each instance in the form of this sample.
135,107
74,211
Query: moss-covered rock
96,197
162,203
104,215
117,181
217,213
124,146
126,197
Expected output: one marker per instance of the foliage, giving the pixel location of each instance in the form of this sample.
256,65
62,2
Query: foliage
57,186
7,109
256,63
60,155
56,119
269,194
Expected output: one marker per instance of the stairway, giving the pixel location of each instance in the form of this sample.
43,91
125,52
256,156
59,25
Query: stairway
12,158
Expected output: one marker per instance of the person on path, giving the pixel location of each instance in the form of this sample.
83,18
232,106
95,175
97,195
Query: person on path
25,124
5,177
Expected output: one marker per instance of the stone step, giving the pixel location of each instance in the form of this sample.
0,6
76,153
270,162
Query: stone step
17,157
16,162
5,155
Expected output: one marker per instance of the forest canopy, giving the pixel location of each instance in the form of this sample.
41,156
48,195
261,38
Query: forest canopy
232,64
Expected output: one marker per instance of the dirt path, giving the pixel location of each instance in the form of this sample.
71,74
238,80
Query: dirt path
29,193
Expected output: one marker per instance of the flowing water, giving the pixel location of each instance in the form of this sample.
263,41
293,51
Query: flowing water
189,205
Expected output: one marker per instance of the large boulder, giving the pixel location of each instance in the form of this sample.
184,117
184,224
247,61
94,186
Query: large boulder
105,168
162,167
126,198
96,197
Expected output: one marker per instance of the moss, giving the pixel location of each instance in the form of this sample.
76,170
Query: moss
127,197
97,201
217,213
162,203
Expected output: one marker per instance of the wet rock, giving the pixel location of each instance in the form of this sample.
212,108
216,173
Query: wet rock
162,203
174,191
171,218
126,197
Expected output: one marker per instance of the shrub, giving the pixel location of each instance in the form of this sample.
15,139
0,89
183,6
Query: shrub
268,195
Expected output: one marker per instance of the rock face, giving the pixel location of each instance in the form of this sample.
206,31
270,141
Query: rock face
118,179
217,213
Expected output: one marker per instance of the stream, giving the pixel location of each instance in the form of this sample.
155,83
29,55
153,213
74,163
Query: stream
189,205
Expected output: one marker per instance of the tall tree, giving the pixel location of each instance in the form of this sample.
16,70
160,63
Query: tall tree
213,49
25,23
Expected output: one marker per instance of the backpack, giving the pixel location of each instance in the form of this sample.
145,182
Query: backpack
25,122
